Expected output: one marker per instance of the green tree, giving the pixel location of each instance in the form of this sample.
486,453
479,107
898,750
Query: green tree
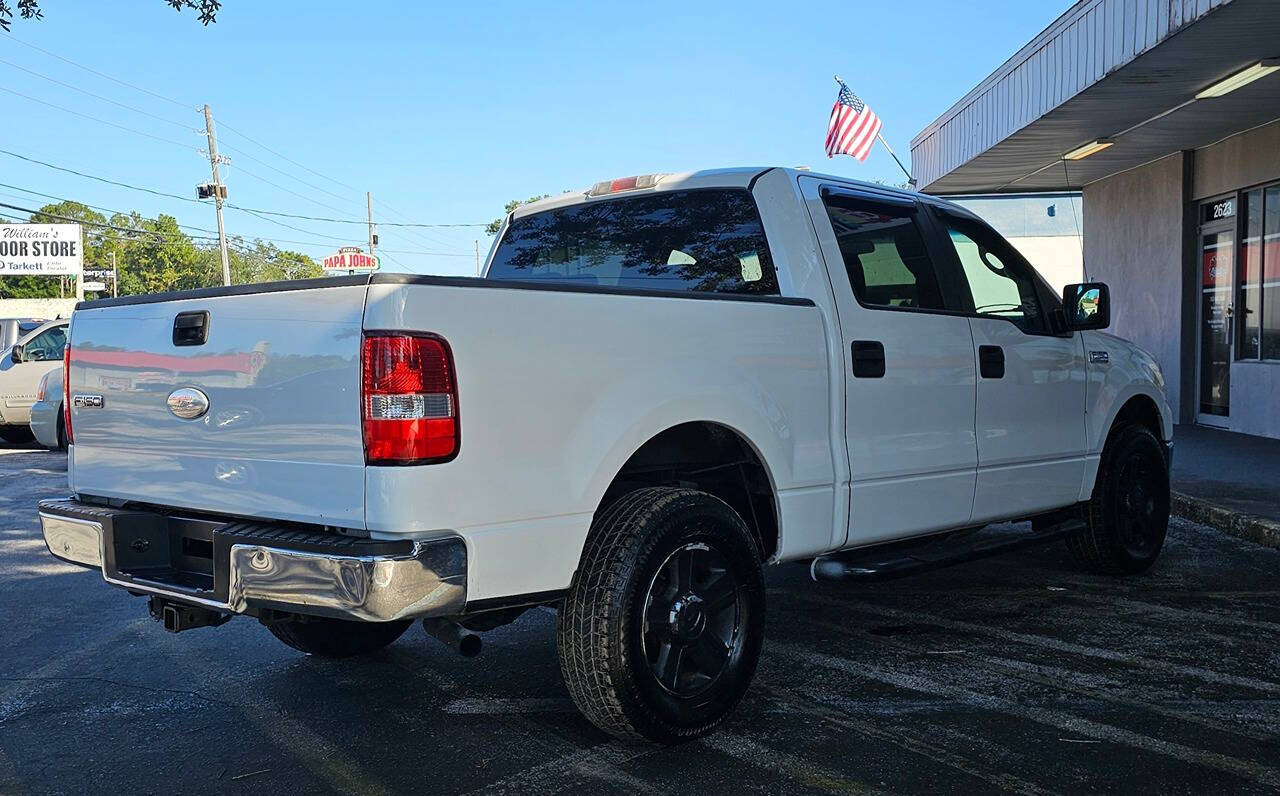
493,226
156,256
30,9
262,261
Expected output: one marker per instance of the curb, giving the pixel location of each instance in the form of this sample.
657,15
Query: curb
1246,526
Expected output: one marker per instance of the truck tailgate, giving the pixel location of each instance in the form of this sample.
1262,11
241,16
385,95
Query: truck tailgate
281,438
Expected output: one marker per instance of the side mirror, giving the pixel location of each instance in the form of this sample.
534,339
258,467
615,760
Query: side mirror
1087,306
16,354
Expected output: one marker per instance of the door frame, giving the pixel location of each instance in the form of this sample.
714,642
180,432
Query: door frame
1230,224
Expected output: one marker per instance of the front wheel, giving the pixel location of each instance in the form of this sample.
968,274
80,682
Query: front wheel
1127,517
661,629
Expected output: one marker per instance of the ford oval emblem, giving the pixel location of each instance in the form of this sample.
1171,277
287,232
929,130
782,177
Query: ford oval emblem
188,403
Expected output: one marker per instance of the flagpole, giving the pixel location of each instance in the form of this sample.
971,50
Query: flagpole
911,181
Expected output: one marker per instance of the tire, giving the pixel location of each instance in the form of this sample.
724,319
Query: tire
336,638
654,642
62,432
1128,516
16,435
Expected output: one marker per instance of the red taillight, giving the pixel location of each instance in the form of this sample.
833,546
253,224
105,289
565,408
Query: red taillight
66,391
409,400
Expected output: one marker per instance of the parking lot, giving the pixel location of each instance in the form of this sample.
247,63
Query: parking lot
1016,674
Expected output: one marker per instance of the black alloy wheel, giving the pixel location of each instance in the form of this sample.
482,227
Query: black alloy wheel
1142,502
692,620
1127,518
661,630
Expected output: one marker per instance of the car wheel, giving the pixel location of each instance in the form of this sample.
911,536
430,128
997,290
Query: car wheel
336,638
1128,516
660,632
62,432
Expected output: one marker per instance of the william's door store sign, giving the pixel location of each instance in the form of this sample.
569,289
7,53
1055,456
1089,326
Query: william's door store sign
40,250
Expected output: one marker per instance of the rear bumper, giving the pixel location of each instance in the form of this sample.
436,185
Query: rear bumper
239,567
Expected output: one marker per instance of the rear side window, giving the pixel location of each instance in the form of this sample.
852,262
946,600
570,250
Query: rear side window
706,241
884,254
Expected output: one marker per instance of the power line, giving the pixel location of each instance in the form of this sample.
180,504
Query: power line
97,96
96,119
101,74
279,187
285,158
289,226
101,179
211,232
167,195
225,126
100,224
313,187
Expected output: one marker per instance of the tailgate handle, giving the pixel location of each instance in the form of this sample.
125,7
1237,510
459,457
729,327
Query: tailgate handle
191,328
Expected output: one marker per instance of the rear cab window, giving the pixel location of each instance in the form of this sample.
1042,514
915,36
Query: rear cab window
884,253
700,241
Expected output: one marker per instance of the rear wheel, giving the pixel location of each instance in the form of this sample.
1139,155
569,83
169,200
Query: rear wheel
62,433
661,629
1128,516
336,638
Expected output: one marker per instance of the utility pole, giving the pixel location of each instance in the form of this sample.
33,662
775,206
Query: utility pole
477,257
115,275
368,201
218,194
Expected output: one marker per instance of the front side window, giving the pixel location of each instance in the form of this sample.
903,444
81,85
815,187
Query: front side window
1259,314
1001,285
696,241
884,254
46,346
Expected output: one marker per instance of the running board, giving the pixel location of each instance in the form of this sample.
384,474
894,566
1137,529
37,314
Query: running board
863,565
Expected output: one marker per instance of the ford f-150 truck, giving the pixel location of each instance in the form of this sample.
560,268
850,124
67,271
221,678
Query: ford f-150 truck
658,386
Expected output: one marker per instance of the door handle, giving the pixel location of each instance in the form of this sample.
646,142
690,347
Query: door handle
991,361
868,359
191,328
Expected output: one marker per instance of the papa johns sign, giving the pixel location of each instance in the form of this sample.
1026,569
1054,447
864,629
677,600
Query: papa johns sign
350,261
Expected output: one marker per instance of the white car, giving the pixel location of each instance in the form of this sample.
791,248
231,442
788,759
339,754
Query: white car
21,368
659,386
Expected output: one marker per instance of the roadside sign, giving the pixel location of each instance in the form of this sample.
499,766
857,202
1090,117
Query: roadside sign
40,250
350,259
95,287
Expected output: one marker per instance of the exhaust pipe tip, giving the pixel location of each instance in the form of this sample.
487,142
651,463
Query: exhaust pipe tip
454,636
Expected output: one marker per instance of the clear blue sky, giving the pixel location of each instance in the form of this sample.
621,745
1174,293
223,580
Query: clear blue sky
446,111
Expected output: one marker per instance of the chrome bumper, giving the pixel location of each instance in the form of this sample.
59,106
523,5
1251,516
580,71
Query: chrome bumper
253,566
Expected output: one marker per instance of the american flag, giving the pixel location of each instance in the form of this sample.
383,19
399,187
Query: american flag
853,127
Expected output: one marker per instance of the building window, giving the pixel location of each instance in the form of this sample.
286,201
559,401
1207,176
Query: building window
1258,315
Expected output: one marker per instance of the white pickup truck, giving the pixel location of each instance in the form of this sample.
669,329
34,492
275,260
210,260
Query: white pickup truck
659,386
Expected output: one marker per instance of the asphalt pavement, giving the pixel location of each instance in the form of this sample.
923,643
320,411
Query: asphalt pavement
1013,674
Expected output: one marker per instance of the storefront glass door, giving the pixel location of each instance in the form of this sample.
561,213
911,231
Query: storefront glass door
1217,258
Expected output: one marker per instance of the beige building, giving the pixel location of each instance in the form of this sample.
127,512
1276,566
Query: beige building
1166,115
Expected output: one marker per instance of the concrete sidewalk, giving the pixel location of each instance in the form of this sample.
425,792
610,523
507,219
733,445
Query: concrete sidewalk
1227,480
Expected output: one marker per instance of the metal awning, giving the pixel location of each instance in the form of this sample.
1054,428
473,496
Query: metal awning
1122,69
